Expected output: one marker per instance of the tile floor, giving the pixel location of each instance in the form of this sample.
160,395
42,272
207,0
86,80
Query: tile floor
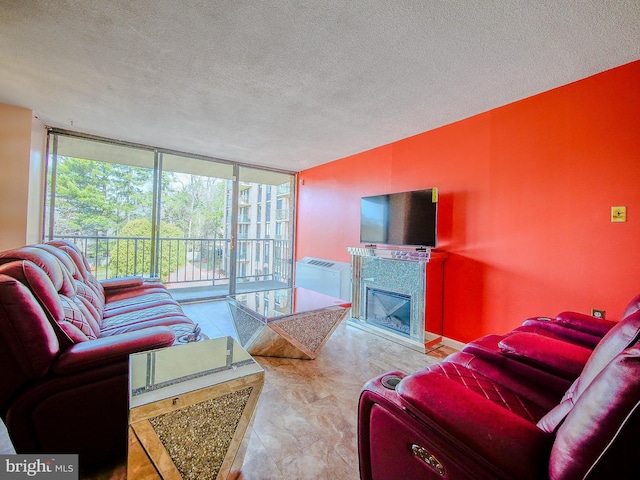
305,422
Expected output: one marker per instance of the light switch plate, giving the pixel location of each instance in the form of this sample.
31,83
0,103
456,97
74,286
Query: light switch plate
619,214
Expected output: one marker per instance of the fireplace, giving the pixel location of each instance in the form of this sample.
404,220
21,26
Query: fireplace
389,310
390,292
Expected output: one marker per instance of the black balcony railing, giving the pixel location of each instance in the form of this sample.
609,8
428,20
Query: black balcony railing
186,261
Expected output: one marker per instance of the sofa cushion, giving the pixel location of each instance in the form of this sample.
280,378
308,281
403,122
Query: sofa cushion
133,302
66,261
549,327
90,296
45,261
473,381
489,349
74,315
545,353
597,327
149,312
81,263
522,385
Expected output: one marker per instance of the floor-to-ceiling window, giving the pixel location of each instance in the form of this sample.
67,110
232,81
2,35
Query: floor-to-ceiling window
264,229
192,198
192,221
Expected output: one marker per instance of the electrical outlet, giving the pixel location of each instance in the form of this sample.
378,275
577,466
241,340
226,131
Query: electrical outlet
598,313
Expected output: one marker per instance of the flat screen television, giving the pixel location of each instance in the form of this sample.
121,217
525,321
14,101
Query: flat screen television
400,219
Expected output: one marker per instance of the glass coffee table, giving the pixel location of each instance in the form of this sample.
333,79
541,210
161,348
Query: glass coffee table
287,322
189,407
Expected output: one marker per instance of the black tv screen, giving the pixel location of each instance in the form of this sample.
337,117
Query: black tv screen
405,218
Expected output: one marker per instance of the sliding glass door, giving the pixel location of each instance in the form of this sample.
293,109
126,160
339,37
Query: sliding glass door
264,231
203,226
193,241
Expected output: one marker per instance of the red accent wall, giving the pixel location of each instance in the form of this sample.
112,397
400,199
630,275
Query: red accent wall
526,192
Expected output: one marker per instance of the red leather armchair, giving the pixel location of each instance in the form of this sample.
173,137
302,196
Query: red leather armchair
469,418
65,341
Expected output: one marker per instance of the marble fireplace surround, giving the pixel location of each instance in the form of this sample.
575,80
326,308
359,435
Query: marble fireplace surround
396,271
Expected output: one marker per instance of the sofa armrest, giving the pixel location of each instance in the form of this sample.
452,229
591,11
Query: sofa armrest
122,282
576,328
585,323
476,425
549,354
108,350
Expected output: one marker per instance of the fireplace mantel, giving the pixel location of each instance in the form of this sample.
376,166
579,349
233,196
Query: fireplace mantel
411,273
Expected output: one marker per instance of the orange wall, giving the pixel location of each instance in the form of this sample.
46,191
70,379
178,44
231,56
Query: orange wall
525,197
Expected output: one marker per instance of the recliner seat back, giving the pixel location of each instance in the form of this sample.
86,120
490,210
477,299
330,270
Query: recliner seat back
623,335
28,343
71,306
599,435
632,307
81,264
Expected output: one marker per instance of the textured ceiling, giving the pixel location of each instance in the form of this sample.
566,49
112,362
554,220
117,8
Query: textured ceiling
293,84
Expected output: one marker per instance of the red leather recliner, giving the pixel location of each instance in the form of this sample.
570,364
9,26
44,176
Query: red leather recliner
468,418
65,341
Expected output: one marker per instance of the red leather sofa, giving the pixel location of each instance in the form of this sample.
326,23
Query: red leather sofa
475,416
65,340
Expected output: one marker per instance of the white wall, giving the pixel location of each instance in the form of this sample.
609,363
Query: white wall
22,154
